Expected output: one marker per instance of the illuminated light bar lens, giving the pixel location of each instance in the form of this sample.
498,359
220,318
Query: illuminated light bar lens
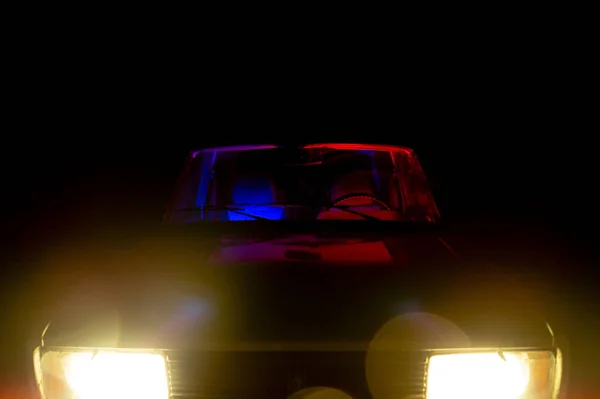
103,374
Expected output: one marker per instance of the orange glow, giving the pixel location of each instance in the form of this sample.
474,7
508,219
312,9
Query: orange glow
16,391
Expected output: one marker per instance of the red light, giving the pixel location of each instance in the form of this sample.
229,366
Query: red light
365,147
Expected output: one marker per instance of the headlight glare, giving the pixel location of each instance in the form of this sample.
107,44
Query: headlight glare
491,375
102,374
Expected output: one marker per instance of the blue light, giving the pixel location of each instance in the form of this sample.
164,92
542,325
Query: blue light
252,195
263,211
252,190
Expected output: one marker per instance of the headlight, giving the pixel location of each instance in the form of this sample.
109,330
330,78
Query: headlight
492,375
100,374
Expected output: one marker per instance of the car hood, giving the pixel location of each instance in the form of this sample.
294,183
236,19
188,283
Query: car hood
297,291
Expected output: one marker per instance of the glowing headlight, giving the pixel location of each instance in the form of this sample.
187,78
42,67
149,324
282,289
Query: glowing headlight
507,375
101,374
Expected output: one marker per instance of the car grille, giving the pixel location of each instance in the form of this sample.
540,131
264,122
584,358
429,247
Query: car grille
271,374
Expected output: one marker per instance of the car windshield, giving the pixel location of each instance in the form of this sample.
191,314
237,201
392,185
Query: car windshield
302,183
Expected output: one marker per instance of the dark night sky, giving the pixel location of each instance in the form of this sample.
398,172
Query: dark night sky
503,129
